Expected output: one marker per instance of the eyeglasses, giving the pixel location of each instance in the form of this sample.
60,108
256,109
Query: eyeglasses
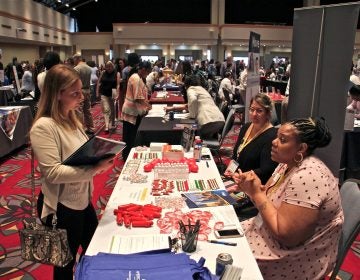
257,110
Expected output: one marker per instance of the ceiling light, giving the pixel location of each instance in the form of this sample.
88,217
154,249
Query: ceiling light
67,5
74,9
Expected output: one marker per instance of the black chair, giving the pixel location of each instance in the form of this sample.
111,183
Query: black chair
238,107
215,145
350,200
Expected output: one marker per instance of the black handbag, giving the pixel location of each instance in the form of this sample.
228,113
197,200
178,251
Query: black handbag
40,243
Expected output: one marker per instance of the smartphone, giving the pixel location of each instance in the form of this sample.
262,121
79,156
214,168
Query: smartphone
228,233
232,167
205,157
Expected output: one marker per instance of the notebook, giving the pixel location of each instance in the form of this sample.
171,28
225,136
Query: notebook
94,150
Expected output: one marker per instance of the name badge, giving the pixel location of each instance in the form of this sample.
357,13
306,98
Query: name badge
233,166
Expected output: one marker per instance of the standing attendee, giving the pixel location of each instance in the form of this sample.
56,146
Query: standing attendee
108,87
228,66
1,69
85,76
136,105
50,59
93,80
27,82
297,231
66,190
9,72
243,84
122,90
228,84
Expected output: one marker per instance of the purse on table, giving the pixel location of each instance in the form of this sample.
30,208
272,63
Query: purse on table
40,243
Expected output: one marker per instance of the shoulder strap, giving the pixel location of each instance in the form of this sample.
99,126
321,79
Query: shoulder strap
33,204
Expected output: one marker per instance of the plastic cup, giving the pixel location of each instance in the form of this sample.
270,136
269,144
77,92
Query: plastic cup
189,239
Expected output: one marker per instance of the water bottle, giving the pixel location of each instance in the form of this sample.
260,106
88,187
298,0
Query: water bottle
197,148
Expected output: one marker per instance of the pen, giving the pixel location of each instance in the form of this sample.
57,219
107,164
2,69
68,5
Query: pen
222,242
207,164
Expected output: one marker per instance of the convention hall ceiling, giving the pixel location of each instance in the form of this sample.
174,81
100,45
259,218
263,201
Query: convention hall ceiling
93,15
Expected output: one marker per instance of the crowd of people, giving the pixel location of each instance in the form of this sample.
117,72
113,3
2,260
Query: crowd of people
299,215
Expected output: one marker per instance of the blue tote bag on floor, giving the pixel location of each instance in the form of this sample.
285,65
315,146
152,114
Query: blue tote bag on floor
161,266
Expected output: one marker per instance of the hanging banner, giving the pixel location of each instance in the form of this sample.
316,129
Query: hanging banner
253,77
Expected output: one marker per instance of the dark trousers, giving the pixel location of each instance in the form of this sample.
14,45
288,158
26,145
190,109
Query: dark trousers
80,226
211,130
129,135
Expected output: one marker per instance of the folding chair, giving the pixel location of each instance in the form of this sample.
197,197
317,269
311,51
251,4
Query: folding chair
350,200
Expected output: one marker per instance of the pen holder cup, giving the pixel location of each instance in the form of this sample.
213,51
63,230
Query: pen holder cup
189,239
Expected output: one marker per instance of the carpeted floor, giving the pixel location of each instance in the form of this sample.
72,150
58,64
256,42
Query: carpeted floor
15,193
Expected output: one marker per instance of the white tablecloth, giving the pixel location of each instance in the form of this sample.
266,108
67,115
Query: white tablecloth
125,192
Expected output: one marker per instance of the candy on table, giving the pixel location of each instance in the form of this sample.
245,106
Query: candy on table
135,215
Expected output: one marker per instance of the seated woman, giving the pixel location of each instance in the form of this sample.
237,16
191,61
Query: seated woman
296,233
253,146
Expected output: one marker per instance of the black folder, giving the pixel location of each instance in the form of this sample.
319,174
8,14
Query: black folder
94,150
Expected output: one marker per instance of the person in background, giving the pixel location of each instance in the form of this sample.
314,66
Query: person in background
108,86
70,62
355,76
296,233
201,107
27,82
151,80
1,68
85,76
130,68
243,84
228,84
9,72
65,190
228,66
50,59
285,102
136,105
355,103
93,80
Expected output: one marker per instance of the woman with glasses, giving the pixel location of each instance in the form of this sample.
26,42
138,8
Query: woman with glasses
252,150
66,190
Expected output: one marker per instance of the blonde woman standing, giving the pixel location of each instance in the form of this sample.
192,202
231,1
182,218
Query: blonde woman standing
66,190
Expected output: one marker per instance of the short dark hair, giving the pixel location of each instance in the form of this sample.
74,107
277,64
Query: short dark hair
355,90
144,64
192,80
133,59
51,59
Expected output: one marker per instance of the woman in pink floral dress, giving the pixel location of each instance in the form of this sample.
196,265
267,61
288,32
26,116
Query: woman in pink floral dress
296,233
